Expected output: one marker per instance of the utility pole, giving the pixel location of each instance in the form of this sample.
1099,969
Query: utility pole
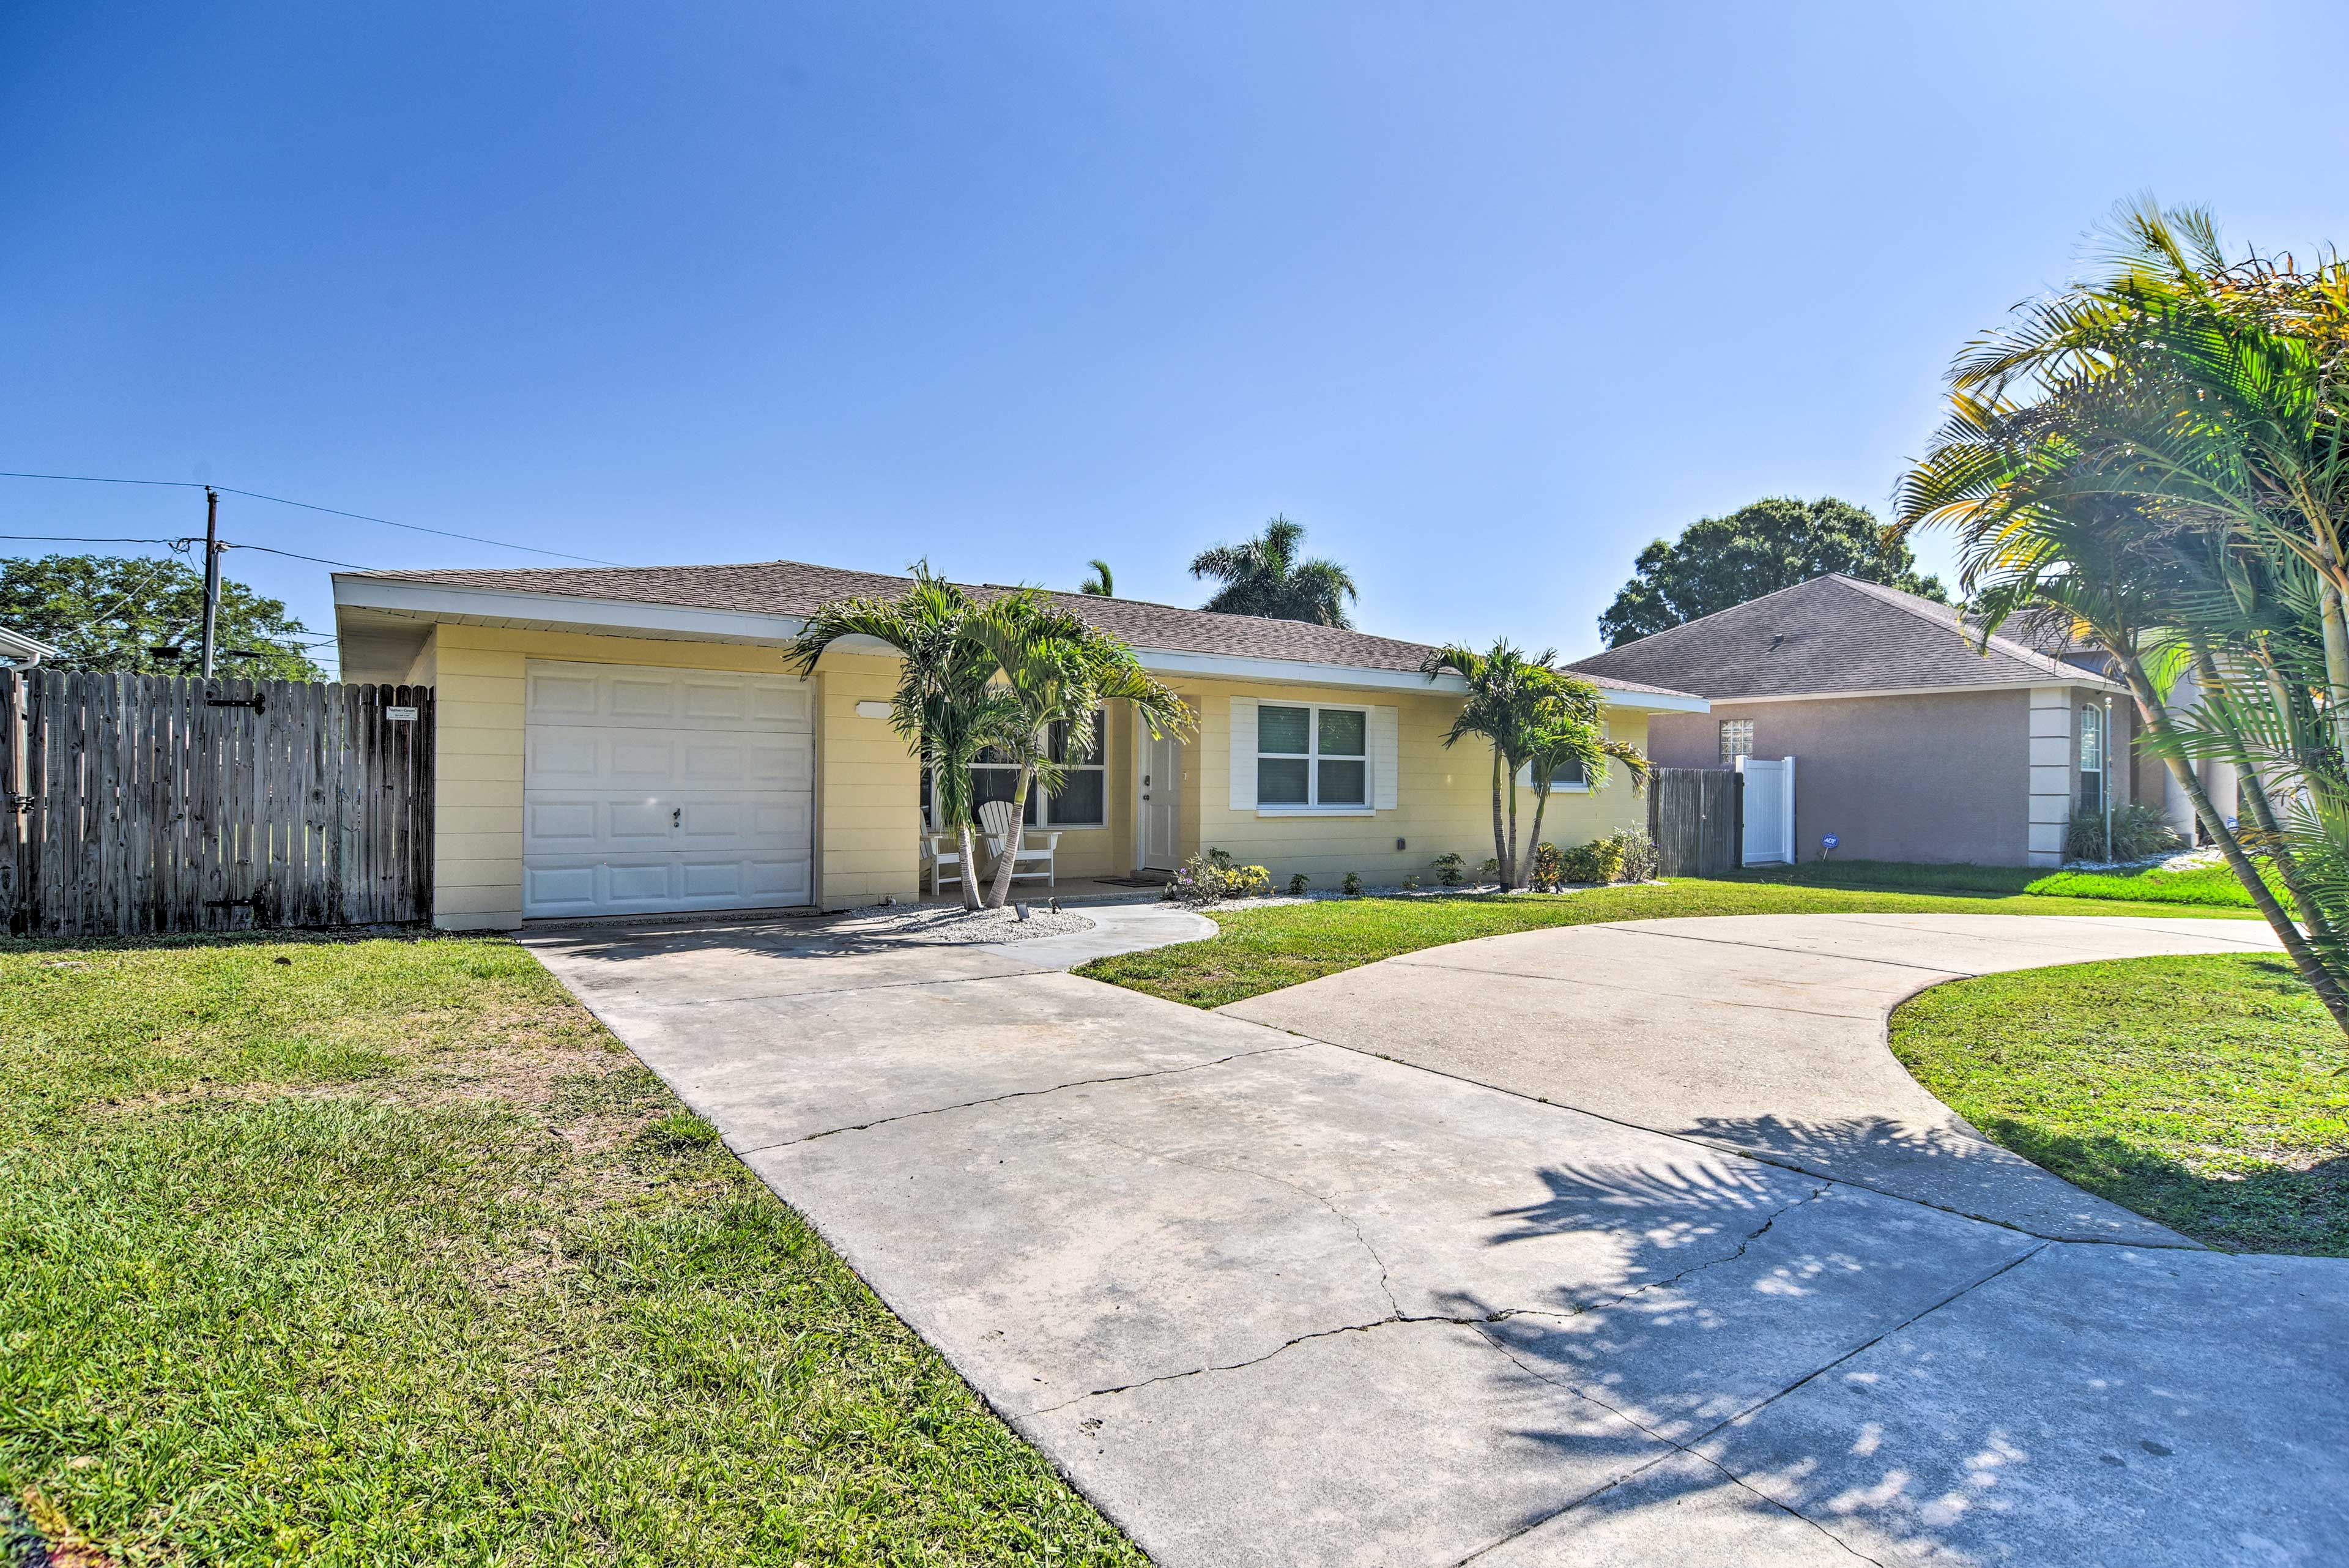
212,573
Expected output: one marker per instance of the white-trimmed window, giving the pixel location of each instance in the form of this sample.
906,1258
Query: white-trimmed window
2092,758
1312,757
1081,801
1736,740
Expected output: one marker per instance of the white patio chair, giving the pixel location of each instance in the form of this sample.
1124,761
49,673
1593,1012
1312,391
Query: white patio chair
944,850
1004,832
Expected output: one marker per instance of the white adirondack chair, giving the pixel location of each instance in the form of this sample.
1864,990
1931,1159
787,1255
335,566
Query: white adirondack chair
1004,835
944,850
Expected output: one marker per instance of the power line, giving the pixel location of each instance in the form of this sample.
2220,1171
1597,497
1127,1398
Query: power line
322,560
308,506
86,539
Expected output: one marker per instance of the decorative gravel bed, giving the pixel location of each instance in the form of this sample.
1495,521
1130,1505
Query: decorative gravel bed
950,926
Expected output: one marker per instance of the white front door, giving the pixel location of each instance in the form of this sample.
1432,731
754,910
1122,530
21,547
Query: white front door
646,790
1161,803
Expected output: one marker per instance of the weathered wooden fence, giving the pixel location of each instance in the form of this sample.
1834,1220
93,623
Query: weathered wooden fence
147,803
1693,817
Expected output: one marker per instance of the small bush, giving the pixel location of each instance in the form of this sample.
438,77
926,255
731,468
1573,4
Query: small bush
2139,833
1630,856
1297,883
1214,877
1352,885
1489,868
1410,884
1449,869
1641,858
1542,873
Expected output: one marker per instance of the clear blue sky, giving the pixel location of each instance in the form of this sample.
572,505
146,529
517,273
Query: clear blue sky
1487,296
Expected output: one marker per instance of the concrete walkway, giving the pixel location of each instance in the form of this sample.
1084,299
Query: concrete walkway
1271,1298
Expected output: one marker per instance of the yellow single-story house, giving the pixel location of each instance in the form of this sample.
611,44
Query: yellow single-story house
633,740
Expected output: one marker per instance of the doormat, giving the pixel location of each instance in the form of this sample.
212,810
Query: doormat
1131,881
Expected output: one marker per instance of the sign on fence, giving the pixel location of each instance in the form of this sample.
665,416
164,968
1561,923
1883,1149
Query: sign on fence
149,804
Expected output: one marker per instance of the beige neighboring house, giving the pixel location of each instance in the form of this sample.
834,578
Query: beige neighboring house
635,740
1911,740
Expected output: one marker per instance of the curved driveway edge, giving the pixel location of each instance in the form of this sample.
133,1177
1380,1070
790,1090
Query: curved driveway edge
1762,1033
1270,1301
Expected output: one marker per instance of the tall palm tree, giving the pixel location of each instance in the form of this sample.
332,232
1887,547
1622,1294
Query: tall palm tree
1263,576
1054,670
948,707
1101,584
2161,456
1509,707
1570,737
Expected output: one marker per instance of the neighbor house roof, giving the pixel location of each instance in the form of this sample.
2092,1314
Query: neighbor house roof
797,588
1833,634
17,650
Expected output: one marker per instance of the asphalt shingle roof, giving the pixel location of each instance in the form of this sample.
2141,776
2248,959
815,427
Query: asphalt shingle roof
798,587
1831,634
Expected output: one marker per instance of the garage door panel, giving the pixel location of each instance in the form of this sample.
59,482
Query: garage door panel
649,790
782,705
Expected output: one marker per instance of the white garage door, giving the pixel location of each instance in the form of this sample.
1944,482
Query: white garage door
648,790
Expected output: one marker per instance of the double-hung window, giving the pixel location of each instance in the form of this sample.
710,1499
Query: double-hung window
1083,799
1312,757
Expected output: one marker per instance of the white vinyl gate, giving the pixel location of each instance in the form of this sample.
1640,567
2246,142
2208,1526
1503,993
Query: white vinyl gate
1769,811
646,790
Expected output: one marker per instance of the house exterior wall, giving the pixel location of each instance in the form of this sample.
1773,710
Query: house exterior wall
1443,797
868,820
1988,778
867,801
1938,777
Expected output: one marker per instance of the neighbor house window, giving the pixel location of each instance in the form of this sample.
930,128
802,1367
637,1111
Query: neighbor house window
1736,740
1308,755
2092,760
1082,798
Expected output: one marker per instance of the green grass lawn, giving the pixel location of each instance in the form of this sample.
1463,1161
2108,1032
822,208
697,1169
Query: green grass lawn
1262,950
2207,1093
2213,886
383,1252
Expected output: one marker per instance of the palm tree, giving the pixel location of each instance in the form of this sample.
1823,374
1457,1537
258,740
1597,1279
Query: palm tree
1101,584
2159,457
1264,578
1510,708
1055,671
948,707
1570,737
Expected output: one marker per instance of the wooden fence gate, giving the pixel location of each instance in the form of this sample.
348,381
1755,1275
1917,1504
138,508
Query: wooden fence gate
1693,817
148,803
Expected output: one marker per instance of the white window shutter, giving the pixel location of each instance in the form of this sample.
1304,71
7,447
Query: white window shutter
1243,753
1386,762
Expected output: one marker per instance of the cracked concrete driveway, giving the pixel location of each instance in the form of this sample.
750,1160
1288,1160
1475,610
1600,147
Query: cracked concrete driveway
1603,1245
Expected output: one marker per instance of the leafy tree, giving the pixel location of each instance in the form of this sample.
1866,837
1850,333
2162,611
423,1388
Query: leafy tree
145,616
1101,584
1720,562
1263,576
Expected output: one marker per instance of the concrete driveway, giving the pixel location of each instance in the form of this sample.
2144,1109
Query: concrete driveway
1271,1298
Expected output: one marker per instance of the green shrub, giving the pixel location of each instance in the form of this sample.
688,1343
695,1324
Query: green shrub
1352,885
1449,869
2139,833
1297,883
1214,877
1629,855
1489,868
1641,858
1542,873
